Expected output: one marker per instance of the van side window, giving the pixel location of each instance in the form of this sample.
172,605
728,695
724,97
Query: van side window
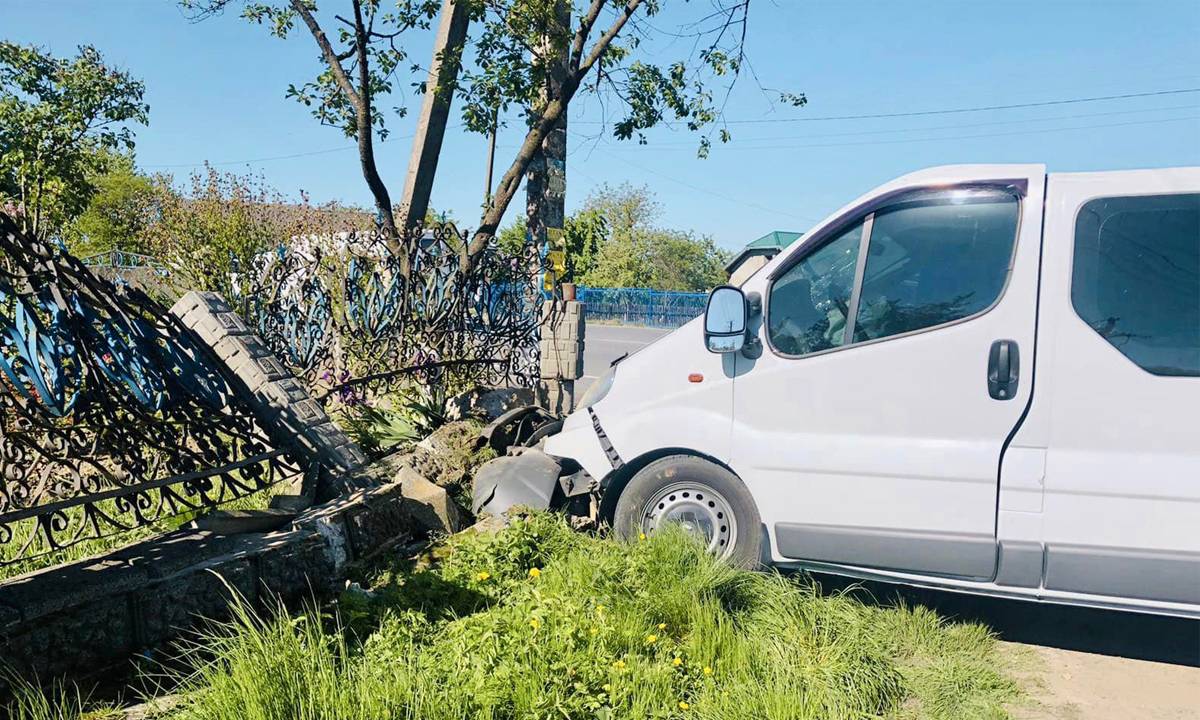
934,260
808,305
1136,278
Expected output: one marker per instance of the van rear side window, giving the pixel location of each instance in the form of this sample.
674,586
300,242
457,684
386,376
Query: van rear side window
1136,278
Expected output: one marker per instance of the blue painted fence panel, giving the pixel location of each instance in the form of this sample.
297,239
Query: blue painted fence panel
639,306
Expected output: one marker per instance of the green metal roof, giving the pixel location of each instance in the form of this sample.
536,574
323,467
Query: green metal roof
778,239
770,245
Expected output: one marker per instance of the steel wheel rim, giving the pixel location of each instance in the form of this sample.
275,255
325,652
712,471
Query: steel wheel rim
702,511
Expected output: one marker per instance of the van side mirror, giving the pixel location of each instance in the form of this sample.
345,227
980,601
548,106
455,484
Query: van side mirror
725,320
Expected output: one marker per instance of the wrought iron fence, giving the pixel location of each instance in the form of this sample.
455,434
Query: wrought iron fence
349,311
114,416
638,306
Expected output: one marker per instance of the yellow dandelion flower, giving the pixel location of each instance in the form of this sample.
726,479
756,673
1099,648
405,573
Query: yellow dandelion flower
534,623
677,661
662,626
651,639
707,670
594,631
619,664
641,536
600,609
607,687
683,705
483,576
535,573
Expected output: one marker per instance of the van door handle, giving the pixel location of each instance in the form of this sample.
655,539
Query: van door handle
1004,369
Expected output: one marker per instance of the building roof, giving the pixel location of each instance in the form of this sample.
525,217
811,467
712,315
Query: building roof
776,239
769,245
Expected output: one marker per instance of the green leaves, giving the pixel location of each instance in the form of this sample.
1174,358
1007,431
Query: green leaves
121,208
614,242
60,121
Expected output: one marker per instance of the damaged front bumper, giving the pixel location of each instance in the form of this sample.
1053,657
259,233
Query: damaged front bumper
534,480
565,467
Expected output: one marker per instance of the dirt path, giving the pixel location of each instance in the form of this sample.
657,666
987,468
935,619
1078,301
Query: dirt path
1069,685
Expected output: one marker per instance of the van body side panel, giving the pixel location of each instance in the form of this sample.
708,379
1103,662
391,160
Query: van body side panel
886,454
1121,505
937,553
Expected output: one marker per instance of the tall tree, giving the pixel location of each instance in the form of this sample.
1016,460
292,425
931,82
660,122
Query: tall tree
515,60
512,54
60,121
118,213
358,70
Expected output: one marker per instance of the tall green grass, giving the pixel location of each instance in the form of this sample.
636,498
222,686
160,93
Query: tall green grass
540,622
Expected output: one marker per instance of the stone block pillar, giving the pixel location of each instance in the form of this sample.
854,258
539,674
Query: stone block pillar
281,403
561,347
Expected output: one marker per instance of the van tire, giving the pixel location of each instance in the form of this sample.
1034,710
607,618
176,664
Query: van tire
693,476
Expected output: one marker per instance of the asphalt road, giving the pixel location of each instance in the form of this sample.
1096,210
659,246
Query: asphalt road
605,343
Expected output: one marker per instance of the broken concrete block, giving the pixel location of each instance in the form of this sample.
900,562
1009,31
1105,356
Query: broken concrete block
429,507
291,503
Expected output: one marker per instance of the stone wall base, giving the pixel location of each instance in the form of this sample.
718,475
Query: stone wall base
79,620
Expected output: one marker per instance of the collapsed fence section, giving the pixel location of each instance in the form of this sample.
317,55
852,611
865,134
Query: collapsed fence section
638,306
113,416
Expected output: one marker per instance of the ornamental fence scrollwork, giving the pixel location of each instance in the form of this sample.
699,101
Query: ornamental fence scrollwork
350,313
114,416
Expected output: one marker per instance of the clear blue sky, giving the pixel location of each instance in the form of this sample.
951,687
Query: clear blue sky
216,92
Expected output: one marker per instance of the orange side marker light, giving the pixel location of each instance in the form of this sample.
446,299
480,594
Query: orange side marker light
695,378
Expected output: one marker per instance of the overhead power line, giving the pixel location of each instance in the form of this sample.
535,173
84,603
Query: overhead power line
901,141
916,113
271,158
741,142
948,111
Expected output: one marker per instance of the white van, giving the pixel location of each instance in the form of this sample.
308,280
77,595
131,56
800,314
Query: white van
980,377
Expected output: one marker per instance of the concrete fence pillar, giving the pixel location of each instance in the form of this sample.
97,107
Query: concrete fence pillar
283,406
561,347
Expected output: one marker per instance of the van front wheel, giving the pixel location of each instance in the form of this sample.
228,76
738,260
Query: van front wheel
706,499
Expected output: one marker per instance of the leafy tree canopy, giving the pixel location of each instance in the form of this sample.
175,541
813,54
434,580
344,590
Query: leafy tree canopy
614,241
223,224
534,55
61,119
119,212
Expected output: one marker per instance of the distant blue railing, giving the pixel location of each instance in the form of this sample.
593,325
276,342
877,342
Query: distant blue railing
639,306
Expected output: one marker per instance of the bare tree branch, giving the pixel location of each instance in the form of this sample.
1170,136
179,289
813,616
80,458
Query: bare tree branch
585,30
360,99
331,57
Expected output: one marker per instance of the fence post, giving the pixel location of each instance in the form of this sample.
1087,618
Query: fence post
561,348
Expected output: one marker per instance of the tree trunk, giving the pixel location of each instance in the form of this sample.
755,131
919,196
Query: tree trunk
546,176
435,110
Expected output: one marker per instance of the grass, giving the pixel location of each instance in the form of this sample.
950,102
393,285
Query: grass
540,622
